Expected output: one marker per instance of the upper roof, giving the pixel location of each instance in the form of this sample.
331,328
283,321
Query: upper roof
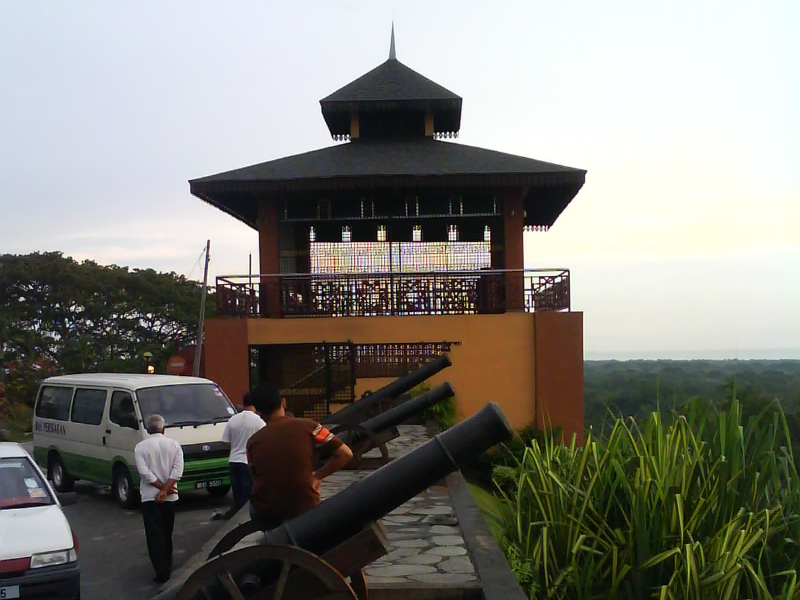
392,88
391,81
131,381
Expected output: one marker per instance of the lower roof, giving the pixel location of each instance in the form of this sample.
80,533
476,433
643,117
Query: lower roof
417,163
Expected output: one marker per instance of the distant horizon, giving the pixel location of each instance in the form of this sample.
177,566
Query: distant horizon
730,354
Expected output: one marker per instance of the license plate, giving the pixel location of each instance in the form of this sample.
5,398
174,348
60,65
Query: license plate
8,592
208,484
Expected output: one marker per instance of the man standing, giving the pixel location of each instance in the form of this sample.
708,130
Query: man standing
237,432
282,460
159,461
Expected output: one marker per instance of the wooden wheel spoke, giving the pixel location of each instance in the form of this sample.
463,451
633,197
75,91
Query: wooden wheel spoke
279,587
226,579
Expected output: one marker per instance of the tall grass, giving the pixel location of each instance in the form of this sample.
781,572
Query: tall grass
699,507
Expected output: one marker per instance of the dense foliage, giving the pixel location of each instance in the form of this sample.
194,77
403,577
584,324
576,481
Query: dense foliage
700,505
61,316
634,387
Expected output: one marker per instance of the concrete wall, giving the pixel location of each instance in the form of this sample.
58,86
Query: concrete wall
512,359
559,371
494,361
227,356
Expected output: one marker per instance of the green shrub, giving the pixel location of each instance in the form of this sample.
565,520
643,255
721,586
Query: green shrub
483,469
699,507
443,413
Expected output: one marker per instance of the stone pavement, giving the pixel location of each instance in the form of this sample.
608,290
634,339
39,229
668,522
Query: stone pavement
426,544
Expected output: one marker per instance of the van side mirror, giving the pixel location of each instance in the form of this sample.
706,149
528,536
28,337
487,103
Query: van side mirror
67,498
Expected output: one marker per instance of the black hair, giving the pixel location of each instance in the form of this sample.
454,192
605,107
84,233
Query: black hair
266,398
247,399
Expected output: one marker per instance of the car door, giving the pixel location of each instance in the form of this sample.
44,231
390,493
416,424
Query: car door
122,430
88,435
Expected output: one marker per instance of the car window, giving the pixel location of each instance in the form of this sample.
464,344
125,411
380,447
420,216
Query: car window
21,485
88,406
121,410
54,403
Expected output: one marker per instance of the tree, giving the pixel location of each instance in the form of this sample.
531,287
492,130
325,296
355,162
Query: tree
85,317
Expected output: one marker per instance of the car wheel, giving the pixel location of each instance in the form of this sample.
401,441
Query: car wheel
58,473
124,491
219,492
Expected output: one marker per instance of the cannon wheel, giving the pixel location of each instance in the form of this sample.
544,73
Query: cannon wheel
347,431
234,536
237,575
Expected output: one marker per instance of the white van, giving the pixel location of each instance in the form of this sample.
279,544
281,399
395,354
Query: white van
87,426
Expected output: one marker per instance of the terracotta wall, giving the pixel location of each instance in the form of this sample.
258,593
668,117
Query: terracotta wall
559,370
226,356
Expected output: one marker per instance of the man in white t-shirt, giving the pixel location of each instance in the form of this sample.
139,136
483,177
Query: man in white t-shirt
237,431
159,461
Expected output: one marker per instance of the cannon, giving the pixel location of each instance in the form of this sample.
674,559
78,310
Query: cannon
376,402
375,432
311,555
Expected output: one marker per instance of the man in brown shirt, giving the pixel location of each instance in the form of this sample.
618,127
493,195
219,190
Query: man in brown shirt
281,457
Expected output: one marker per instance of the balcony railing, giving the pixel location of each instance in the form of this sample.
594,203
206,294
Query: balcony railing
393,294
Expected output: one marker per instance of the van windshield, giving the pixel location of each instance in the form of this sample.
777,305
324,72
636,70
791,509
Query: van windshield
193,404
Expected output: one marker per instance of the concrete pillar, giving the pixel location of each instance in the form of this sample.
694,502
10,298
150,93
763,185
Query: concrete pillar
513,226
269,259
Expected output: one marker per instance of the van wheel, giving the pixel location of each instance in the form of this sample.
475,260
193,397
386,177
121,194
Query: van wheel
219,492
124,491
58,473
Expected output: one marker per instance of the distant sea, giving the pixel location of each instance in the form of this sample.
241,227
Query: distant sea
742,354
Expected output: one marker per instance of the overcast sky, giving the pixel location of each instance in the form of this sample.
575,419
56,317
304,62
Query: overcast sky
685,239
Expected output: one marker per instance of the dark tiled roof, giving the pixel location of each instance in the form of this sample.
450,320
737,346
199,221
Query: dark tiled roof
390,82
376,158
391,163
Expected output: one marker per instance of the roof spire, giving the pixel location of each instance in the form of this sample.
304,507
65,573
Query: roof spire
392,54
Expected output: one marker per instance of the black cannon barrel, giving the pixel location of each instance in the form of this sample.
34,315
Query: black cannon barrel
324,527
402,413
392,390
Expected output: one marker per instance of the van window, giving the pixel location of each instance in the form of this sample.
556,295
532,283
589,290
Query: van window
121,410
54,403
88,406
191,404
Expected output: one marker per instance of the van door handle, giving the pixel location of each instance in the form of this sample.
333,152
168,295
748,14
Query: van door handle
108,431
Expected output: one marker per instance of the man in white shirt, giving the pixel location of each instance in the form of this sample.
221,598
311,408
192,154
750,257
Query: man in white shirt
238,430
159,461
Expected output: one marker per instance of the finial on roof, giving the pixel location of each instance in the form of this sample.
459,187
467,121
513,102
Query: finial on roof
392,54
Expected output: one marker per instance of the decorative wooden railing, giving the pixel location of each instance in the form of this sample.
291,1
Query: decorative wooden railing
393,294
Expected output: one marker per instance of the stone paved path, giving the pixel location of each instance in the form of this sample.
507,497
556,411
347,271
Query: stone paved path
425,542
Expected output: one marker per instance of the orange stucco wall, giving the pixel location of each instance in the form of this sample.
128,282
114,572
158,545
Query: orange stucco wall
514,359
493,363
559,370
226,355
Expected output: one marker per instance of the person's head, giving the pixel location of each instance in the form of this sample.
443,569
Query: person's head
247,402
267,401
154,424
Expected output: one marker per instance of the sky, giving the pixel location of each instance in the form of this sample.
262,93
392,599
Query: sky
684,241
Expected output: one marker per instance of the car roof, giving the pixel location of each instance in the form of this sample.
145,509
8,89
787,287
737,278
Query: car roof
12,450
131,381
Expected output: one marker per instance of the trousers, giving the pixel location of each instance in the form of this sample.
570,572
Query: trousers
242,484
159,520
